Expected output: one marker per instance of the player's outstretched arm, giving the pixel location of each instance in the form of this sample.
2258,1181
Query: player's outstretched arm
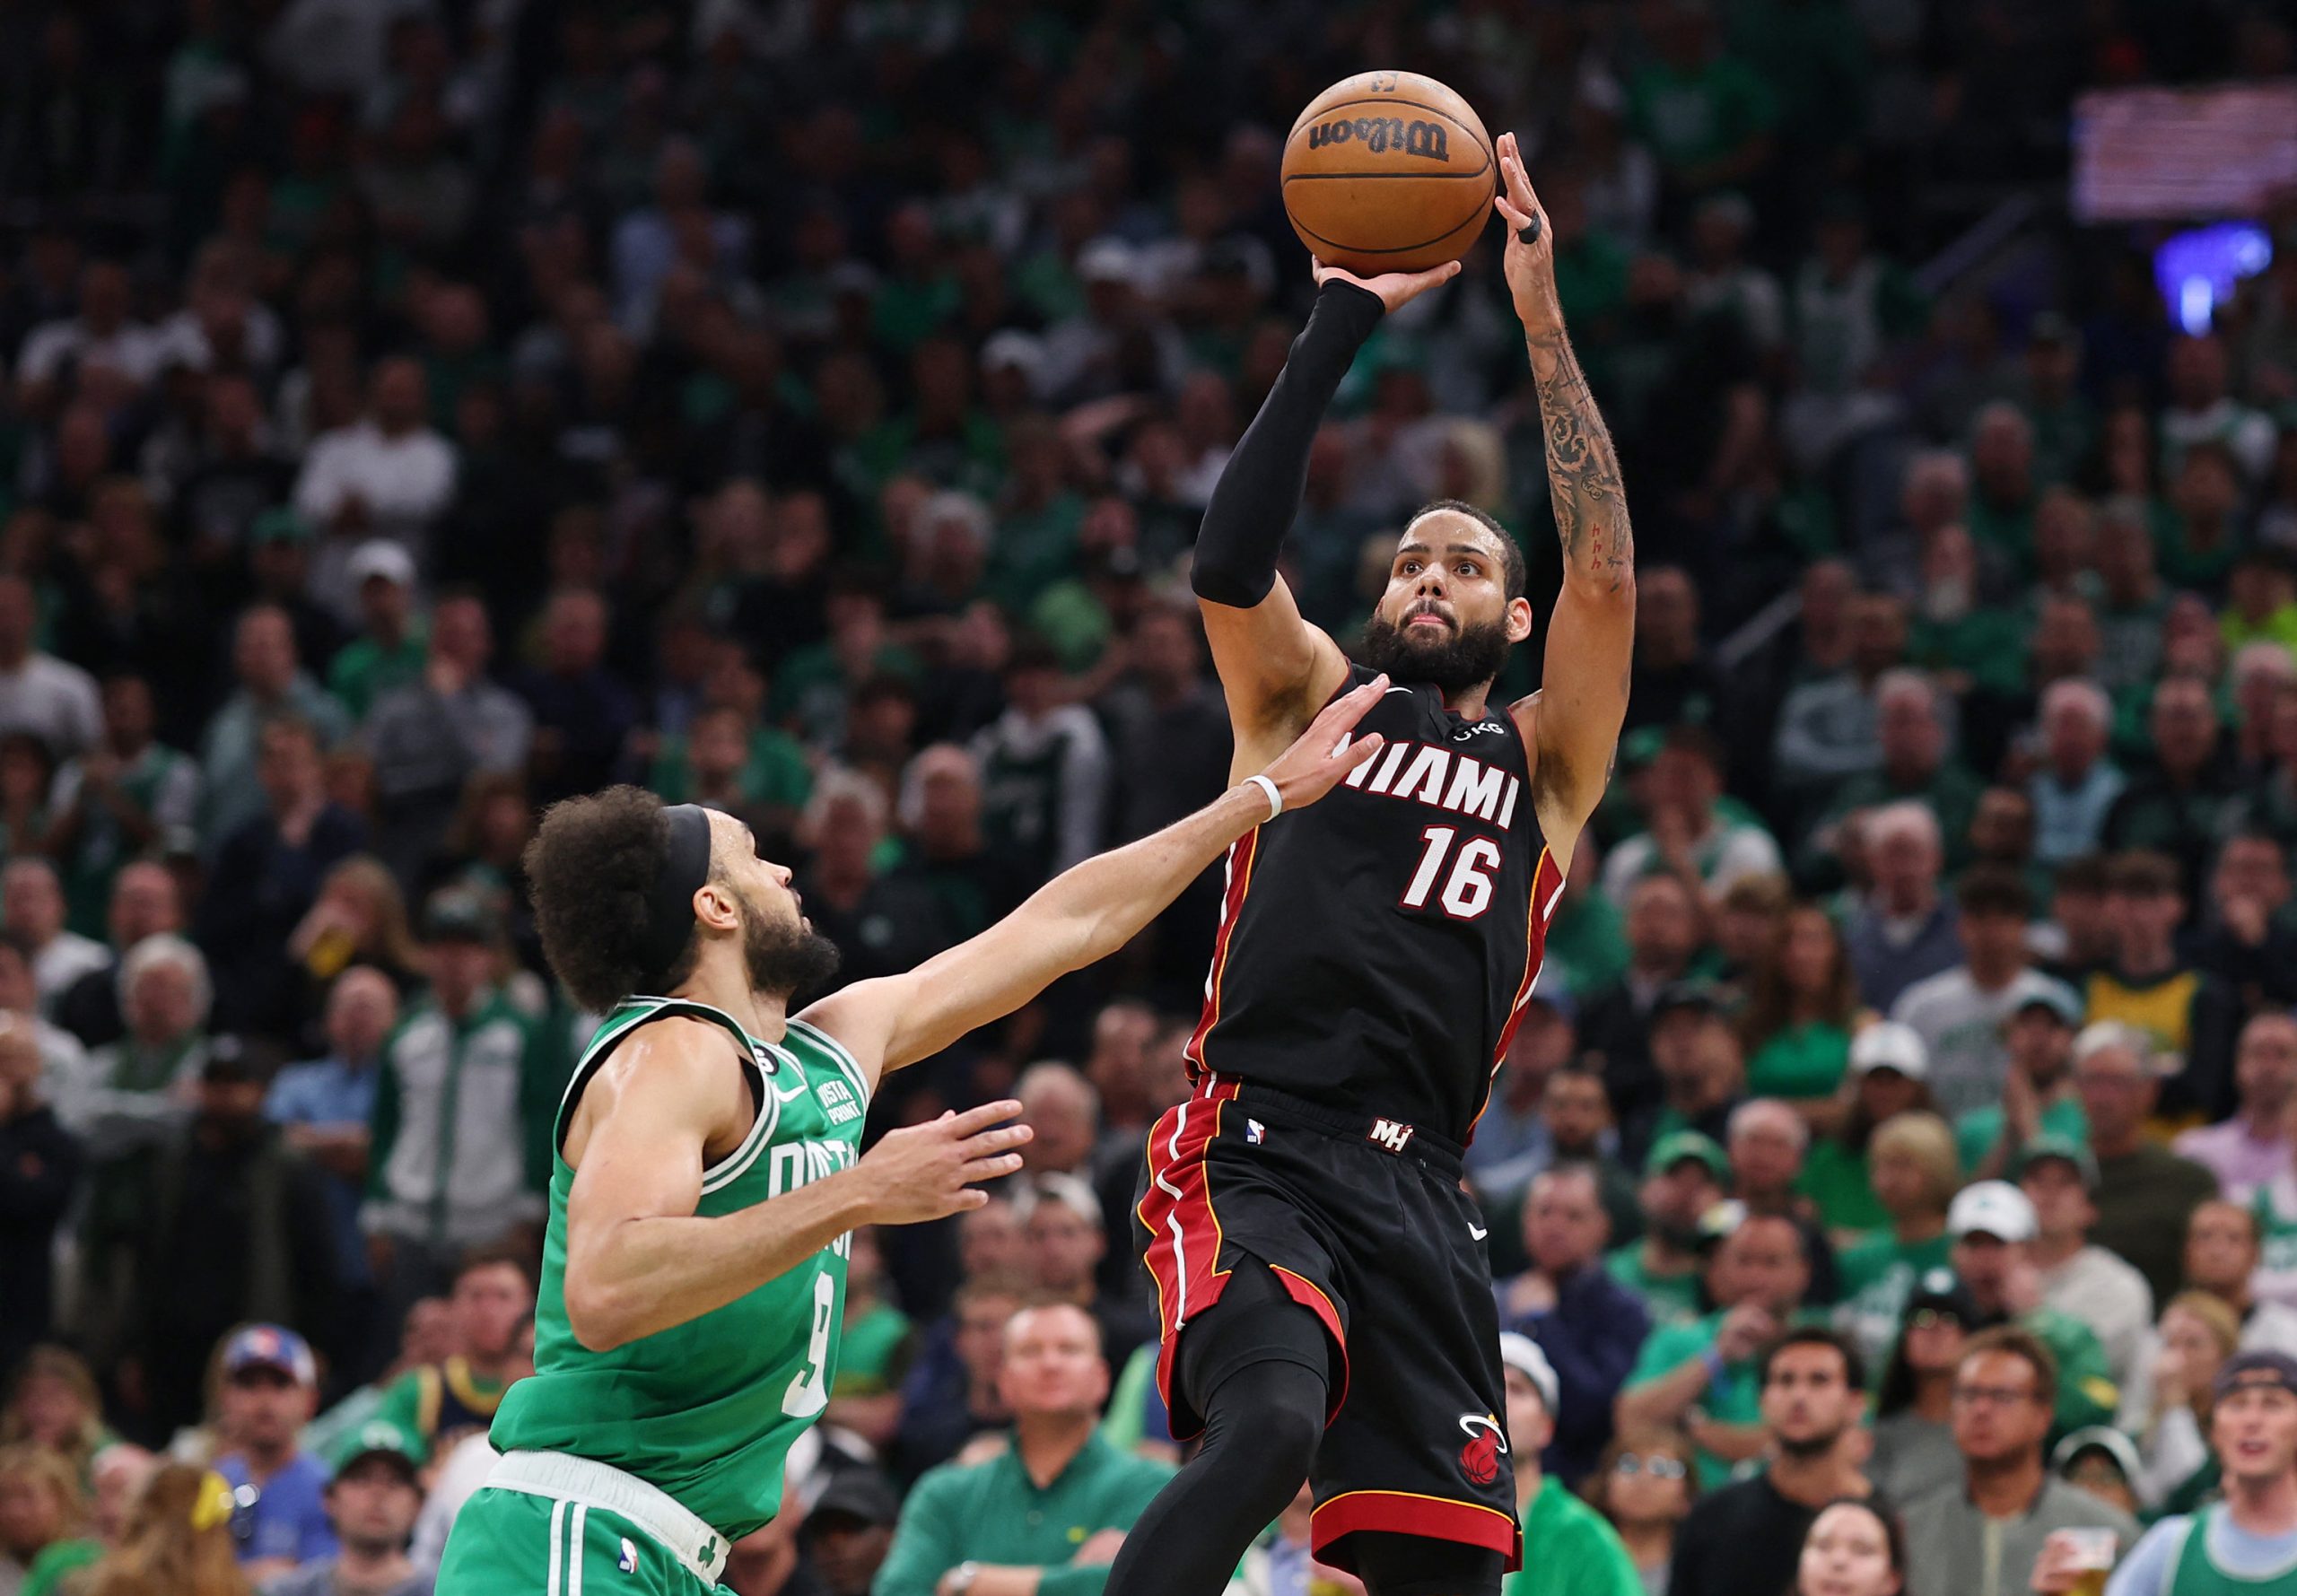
1591,636
1276,668
639,1259
1084,914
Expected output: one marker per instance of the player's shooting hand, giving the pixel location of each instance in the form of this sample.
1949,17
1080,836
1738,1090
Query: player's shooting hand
1324,753
930,1171
1396,289
1529,263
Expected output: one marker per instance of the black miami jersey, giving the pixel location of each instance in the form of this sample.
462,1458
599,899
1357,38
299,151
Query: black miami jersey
1376,949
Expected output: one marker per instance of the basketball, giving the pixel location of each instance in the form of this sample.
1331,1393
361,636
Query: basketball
1388,172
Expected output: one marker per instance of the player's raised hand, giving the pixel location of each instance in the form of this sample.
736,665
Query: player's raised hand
1394,289
1530,258
929,1171
1321,759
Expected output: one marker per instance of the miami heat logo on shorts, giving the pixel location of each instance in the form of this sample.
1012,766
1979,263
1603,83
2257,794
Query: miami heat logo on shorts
1480,1457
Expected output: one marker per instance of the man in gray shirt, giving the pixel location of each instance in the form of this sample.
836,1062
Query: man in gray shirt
1981,1535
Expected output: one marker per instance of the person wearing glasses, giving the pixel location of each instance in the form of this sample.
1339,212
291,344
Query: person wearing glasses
1577,1553
1983,1535
1645,1487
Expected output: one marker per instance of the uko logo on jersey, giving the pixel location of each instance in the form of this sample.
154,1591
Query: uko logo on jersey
1390,1135
1480,1457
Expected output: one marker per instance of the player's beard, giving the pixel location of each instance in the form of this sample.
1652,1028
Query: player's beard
784,959
1450,661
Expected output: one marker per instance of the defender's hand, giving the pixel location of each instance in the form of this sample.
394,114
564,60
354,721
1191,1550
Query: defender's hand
1530,266
1324,753
1394,289
928,1172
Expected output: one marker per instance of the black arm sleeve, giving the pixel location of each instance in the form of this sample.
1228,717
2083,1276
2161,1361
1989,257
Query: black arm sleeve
1259,490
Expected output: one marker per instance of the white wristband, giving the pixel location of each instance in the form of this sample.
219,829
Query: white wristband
1275,798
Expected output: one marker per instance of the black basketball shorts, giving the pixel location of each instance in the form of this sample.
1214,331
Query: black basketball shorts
1363,1222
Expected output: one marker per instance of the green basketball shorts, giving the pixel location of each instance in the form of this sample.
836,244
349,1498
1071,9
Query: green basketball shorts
546,1524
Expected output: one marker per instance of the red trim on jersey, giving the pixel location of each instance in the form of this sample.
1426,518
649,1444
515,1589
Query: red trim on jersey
1183,1255
1241,854
1311,1296
1543,889
1405,1512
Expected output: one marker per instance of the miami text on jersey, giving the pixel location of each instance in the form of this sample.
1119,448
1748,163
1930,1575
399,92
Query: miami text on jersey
1441,779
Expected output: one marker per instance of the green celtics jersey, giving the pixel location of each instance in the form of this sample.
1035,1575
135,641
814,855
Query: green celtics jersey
706,1411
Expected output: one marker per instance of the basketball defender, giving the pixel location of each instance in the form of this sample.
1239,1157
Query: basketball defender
705,1173
1326,1301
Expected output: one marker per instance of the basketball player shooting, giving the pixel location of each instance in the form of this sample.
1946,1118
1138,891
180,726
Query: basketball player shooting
1326,1302
706,1170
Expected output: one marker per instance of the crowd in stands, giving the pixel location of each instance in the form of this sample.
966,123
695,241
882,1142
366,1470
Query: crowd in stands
413,412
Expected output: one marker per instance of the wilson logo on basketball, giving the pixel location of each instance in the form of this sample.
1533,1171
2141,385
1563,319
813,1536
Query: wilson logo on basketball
1480,1457
1380,135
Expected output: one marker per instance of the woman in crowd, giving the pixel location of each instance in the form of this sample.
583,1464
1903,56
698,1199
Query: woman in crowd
43,1519
359,917
1645,1485
179,1540
54,1403
1854,1548
2175,1465
1914,1439
1915,1175
1797,1028
1888,1064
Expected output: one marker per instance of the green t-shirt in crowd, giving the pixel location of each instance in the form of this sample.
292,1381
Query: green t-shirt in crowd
865,1361
365,670
1805,1059
1836,1181
994,1512
1672,1299
1976,1130
1577,1553
1734,1396
63,1558
1877,1276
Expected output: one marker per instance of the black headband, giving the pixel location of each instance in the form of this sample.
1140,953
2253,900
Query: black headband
670,906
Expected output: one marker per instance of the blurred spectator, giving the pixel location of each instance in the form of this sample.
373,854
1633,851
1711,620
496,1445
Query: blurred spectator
882,922
1695,1054
40,1172
2196,1335
946,849
1583,1318
437,1404
1797,1025
1911,1159
462,1144
1044,771
1690,833
1827,727
2245,1539
1515,1139
1682,1181
1915,1453
43,1516
2191,1014
1066,1237
269,1389
273,686
388,475
1888,1066
2245,934
53,1404
1019,1510
55,700
2252,1146
1960,1013
2145,1192
371,1499
1992,1227
2078,1278
2182,806
1644,1485
1987,1534
1747,1536
1575,1112
582,710
1911,735
126,797
951,1393
873,1351
1904,931
849,1530
179,1537
2222,1257
430,735
2038,1090
1663,934
388,651
1855,1549
359,917
35,916
1756,1278
2076,788
1579,1551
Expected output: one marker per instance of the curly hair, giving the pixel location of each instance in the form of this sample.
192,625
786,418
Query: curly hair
592,864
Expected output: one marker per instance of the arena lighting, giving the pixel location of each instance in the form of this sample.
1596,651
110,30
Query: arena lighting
2198,269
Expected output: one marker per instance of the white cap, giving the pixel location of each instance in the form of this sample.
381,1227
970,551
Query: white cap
1522,1353
1889,1045
379,556
1109,260
1991,1207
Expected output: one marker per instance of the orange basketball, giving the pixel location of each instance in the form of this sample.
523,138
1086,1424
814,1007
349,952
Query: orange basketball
1388,172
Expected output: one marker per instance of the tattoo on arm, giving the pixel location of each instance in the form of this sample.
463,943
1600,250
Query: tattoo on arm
1582,469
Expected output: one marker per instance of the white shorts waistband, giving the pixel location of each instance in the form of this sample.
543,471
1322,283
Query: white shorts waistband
564,1478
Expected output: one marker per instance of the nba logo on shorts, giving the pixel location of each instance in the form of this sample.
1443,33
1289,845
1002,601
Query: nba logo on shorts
1255,1132
628,1561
